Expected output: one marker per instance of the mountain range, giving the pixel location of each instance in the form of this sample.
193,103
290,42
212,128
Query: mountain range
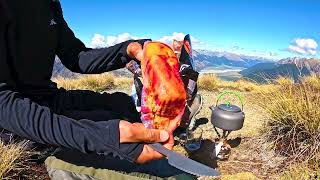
294,68
251,67
59,70
203,59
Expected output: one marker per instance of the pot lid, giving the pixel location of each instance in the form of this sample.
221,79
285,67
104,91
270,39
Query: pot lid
229,108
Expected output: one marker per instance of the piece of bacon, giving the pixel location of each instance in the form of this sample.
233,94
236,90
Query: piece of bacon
163,94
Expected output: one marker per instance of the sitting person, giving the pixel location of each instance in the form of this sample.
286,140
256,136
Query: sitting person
84,124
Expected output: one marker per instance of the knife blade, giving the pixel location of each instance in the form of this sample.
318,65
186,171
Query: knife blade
185,164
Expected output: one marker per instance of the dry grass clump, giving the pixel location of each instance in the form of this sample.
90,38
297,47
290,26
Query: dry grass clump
241,85
209,82
284,81
302,171
107,81
240,176
312,80
97,82
123,82
8,157
294,124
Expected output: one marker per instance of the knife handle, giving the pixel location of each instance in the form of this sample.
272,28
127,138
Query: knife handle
160,148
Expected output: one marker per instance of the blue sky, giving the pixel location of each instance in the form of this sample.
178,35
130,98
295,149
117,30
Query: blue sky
270,28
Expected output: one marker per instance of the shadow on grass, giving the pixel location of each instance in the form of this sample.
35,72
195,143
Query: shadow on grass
204,155
200,121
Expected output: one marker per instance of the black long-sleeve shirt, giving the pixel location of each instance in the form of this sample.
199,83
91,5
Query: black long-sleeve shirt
31,34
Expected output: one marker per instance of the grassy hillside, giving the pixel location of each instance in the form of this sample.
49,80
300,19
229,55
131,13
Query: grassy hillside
280,138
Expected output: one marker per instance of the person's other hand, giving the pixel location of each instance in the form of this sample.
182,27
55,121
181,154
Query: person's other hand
136,132
174,123
134,50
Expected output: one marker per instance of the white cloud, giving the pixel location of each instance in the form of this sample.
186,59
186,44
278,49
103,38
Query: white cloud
303,46
113,40
99,41
169,39
179,36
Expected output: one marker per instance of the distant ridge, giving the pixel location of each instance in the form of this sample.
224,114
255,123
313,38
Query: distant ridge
294,68
203,59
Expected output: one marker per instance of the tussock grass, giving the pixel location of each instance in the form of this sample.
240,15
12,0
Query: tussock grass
241,85
123,82
312,80
294,123
107,81
9,154
293,113
284,81
98,83
302,171
211,82
240,176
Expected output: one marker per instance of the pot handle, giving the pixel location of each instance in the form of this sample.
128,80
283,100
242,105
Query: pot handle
232,93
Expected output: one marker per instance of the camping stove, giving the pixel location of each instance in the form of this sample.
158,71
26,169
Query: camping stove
228,118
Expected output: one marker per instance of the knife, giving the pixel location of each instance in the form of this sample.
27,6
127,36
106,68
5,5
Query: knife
185,164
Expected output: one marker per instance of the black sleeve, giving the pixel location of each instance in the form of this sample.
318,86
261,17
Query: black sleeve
28,119
76,57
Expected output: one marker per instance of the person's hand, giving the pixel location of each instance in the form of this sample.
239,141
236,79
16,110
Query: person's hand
134,50
174,123
136,132
149,154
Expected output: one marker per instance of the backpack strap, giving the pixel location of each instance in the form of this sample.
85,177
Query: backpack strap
189,77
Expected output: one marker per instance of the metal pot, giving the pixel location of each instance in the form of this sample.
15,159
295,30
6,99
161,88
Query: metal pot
227,117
